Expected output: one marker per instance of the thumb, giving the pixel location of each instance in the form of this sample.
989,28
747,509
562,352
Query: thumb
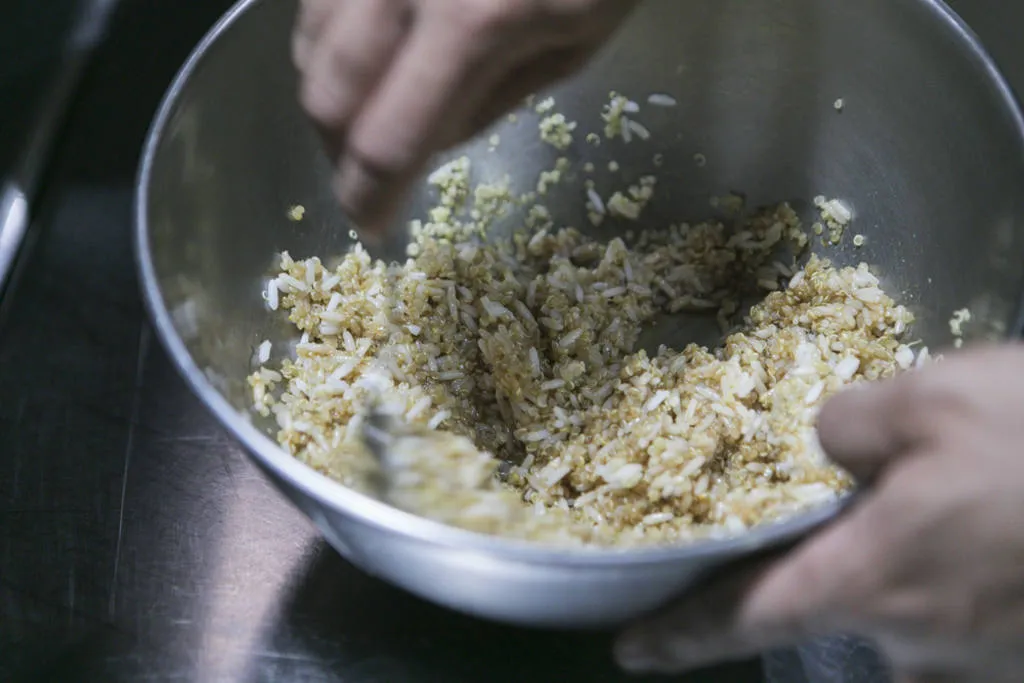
866,427
817,588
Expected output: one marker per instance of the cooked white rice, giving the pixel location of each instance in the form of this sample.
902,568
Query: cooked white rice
661,100
526,351
521,356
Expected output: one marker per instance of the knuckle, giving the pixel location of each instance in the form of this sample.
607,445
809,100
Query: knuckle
386,156
324,102
384,146
331,82
345,63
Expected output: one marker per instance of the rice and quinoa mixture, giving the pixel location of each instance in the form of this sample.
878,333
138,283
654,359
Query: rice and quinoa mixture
521,356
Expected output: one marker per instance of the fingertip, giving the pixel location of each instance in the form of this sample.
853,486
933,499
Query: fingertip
864,427
778,601
342,50
695,632
657,650
841,407
372,200
322,98
426,99
359,189
632,653
669,652
371,238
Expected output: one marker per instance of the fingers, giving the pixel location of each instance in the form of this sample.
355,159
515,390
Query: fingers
820,587
313,16
703,630
864,428
824,584
343,49
390,82
555,63
528,79
433,82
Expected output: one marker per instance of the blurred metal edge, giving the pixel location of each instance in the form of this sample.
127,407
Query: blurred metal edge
22,184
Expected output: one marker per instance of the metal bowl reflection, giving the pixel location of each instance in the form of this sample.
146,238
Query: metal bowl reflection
929,150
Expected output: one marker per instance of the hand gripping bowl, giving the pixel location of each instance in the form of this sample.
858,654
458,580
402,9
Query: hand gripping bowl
928,151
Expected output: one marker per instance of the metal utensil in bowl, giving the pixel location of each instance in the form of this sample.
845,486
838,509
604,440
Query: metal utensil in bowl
928,151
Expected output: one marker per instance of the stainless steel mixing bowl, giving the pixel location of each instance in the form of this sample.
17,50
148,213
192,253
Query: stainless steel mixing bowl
928,150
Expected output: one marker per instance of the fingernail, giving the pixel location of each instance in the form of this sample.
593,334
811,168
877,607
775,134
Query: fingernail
635,655
357,188
370,239
324,100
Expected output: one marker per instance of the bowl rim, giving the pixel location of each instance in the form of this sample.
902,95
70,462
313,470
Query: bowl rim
372,513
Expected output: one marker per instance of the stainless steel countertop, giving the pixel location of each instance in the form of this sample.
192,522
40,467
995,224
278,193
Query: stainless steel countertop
136,541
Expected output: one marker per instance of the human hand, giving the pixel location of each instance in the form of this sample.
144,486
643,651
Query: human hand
391,82
930,565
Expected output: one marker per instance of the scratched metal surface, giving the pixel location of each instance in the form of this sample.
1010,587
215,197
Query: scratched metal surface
136,542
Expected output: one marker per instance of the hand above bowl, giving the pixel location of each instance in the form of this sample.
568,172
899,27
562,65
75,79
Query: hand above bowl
391,82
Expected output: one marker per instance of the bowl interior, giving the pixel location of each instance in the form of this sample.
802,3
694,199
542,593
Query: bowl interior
927,151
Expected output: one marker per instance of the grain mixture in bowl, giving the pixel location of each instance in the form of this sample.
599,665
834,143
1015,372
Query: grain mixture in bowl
522,355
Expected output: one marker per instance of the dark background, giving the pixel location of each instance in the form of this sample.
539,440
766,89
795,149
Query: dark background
136,542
